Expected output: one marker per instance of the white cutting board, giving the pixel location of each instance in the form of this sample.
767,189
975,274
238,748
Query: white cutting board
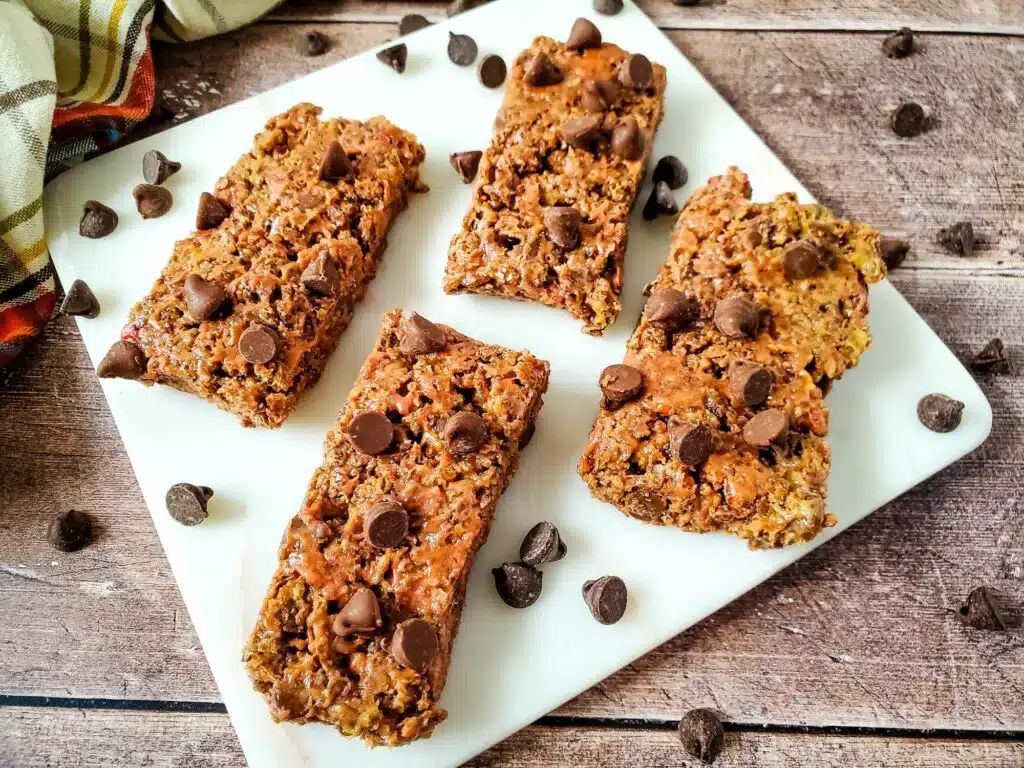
509,667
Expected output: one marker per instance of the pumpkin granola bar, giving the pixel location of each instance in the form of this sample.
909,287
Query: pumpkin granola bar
358,624
716,420
252,304
553,192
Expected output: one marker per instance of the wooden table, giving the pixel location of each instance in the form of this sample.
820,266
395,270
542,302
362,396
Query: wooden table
853,656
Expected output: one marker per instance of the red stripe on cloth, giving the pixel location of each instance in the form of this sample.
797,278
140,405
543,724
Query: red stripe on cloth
19,324
70,123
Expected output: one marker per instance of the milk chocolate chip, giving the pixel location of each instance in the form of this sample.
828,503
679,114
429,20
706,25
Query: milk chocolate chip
619,384
542,71
124,360
466,164
202,298
584,34
738,317
801,259
320,276
258,344
360,616
335,165
80,301
152,201
465,432
211,212
628,140
421,337
766,428
415,644
386,524
371,433
671,309
564,226
636,72
599,95
581,132
750,382
690,444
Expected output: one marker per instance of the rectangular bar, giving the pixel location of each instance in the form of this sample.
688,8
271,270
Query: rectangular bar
292,257
445,475
755,383
503,248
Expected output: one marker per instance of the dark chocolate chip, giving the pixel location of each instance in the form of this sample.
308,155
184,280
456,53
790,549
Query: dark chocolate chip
899,44
415,644
608,7
584,34
702,735
156,168
466,164
581,132
606,598
983,611
670,169
564,226
599,95
421,337
636,72
124,360
258,344
97,220
619,384
412,22
518,584
320,276
360,616
671,309
186,503
202,298
371,433
152,201
894,250
644,504
394,56
738,317
958,238
628,140
69,531
940,413
462,49
801,259
542,544
465,433
991,359
750,382
767,428
386,524
314,44
661,202
458,6
211,212
690,444
80,301
908,120
492,70
335,165
542,71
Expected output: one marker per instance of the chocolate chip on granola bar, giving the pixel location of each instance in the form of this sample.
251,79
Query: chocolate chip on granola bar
69,531
908,120
636,72
940,413
152,201
767,428
690,444
518,584
983,611
462,49
314,44
628,140
564,226
661,202
466,164
422,337
415,644
671,309
670,169
645,504
124,360
412,22
492,70
386,524
202,298
465,432
80,301
702,735
606,598
542,71
750,382
801,259
97,220
320,276
608,7
991,359
394,56
335,165
156,168
584,34
258,344
958,238
371,432
619,384
186,503
210,213
542,544
899,44
738,317
894,250
599,95
581,132
360,616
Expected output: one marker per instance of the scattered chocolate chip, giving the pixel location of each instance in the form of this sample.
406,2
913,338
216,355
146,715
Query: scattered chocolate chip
661,202
801,259
458,6
465,433
124,360
386,524
599,95
415,644
394,56
335,165
156,168
606,598
670,169
152,201
628,140
581,132
608,7
466,164
584,34
320,276
371,433
671,309
991,359
314,44
542,544
462,49
750,382
518,584
258,344
542,71
982,611
492,70
202,298
360,616
645,504
908,120
97,220
619,384
958,238
738,317
80,301
894,250
564,226
186,503
702,735
899,44
636,72
767,428
690,444
69,531
210,213
940,413
412,22
422,337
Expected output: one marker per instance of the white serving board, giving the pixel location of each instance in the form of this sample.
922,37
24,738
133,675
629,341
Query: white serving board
509,667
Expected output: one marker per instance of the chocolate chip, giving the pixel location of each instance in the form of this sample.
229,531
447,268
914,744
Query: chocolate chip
991,359
69,531
335,165
314,44
564,226
210,213
156,168
644,504
465,433
80,301
186,503
583,35
412,22
458,6
670,169
636,72
983,611
738,317
959,238
606,598
702,735
492,70
581,132
371,433
908,120
462,49
767,428
750,382
628,140
661,202
893,250
608,7
394,56
97,220
320,276
202,298
124,360
599,95
940,413
671,309
258,344
542,544
690,444
619,384
899,44
466,164
752,239
518,584
152,201
360,616
415,644
542,71
386,524
422,337
801,259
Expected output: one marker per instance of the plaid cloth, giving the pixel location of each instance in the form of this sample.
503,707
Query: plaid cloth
74,76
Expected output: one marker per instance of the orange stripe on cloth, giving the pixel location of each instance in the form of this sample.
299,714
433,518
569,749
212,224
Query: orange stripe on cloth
19,324
136,107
